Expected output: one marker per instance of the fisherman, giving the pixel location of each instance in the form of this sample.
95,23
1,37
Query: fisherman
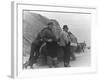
64,43
51,45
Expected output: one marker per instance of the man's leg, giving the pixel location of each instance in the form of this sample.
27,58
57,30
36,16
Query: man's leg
44,52
32,57
49,61
66,56
55,61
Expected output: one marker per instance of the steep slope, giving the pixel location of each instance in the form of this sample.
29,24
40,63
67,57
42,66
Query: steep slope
33,23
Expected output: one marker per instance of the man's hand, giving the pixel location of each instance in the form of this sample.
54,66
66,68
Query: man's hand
41,39
49,40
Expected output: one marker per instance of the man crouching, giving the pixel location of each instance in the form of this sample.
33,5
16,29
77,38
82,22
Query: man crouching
51,45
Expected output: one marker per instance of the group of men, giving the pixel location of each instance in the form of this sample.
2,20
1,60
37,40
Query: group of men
52,44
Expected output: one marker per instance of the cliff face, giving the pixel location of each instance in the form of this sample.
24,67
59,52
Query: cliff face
33,23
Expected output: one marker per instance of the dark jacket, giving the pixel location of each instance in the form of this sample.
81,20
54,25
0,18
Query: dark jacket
52,46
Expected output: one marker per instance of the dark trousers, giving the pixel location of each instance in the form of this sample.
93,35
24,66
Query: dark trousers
66,56
52,61
34,54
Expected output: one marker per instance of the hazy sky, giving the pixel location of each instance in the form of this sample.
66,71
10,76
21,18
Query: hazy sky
79,24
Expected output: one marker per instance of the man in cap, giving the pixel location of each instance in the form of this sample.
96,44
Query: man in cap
65,44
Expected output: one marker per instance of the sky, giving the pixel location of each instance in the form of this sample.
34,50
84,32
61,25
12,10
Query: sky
79,24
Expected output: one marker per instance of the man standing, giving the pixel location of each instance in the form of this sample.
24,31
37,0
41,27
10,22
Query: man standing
65,45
